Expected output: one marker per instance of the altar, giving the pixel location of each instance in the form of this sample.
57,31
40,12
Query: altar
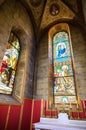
60,123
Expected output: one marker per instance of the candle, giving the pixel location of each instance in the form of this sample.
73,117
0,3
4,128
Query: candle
55,106
70,105
77,105
64,106
56,110
44,104
50,104
45,108
83,104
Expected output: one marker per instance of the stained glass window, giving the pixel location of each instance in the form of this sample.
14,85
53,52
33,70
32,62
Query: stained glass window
9,64
64,85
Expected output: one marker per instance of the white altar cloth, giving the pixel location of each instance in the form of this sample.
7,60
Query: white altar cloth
61,123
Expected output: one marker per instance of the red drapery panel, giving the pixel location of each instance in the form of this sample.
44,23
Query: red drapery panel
82,115
51,113
75,115
36,111
48,113
3,116
44,107
26,117
84,104
14,116
54,113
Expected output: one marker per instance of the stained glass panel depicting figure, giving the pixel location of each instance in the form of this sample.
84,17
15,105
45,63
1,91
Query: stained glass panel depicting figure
63,68
61,48
9,64
64,86
62,65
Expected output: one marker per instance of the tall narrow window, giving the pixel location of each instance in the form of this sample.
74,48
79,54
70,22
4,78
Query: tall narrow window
9,64
64,84
63,70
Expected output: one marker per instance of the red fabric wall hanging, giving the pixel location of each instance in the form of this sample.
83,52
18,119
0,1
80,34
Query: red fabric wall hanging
26,117
14,116
3,116
36,111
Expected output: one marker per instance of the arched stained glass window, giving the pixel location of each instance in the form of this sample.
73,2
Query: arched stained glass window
61,74
63,70
9,64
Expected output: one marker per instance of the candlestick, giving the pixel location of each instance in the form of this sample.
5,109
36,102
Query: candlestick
45,108
44,104
50,104
64,106
56,106
84,104
77,105
70,105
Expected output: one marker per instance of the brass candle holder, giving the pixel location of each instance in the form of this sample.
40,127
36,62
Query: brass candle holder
77,107
70,111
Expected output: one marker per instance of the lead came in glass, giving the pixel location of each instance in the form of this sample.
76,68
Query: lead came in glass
62,62
9,64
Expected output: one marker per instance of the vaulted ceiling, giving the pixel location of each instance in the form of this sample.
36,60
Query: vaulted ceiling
1,1
45,13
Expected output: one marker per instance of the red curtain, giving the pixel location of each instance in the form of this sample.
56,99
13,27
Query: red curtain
84,104
48,113
3,116
75,115
82,115
36,111
51,113
54,113
14,116
26,117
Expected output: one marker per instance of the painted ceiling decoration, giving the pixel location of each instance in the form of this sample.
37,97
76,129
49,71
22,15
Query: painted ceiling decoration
35,8
72,4
45,13
35,3
54,9
64,13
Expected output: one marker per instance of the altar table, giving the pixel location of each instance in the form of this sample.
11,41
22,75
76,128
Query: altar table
60,123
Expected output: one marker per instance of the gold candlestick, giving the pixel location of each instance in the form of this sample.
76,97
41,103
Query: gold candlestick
70,106
70,111
50,104
77,106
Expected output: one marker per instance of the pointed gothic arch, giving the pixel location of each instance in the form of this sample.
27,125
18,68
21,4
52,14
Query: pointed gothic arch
62,79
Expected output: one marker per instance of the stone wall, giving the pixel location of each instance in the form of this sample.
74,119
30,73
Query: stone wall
41,69
13,17
84,9
79,52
